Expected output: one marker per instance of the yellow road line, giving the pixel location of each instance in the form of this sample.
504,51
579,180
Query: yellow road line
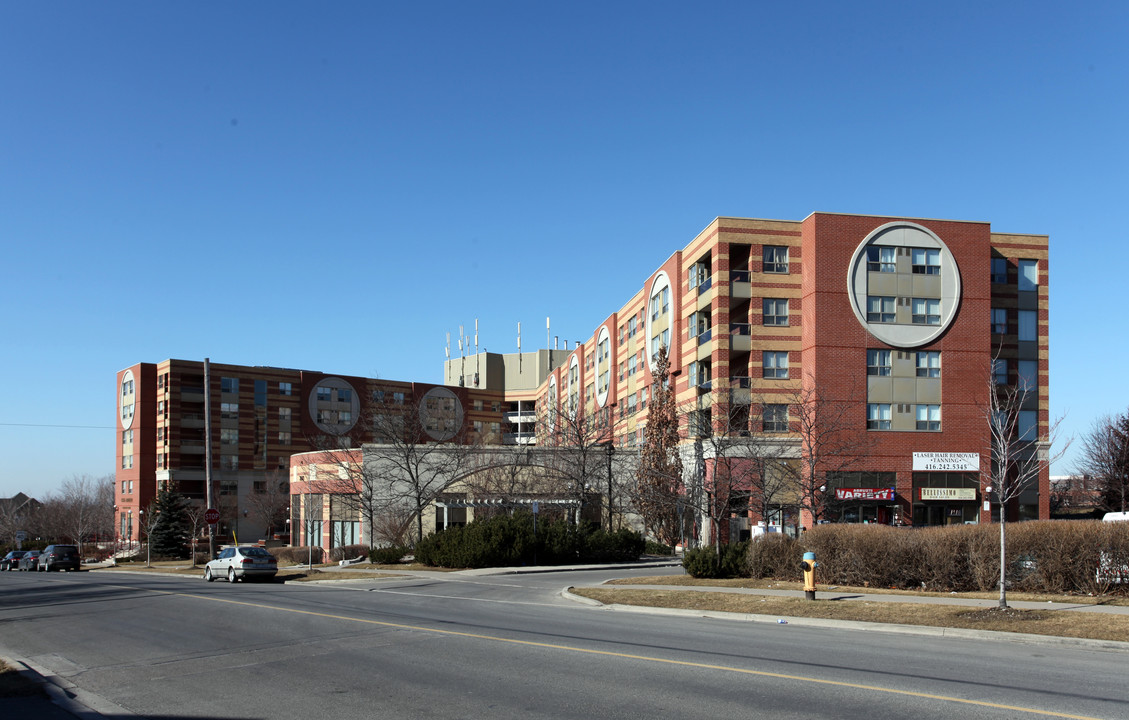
645,658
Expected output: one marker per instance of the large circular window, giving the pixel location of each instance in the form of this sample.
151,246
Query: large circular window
904,284
441,414
127,399
334,405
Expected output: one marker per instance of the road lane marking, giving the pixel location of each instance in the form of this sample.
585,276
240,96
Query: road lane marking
645,658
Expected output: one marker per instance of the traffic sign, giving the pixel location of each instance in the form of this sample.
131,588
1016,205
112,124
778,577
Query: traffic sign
212,516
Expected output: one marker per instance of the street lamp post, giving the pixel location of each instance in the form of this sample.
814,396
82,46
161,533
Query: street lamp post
610,449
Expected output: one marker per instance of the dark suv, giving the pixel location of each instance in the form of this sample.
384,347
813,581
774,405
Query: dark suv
59,557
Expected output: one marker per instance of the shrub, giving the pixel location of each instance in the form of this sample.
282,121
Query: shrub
295,555
774,556
390,555
509,540
701,562
653,547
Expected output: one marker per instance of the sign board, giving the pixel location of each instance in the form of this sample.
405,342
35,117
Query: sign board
948,493
21,535
212,516
864,493
946,462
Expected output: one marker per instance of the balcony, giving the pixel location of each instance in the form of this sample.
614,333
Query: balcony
520,438
520,417
739,286
191,394
740,339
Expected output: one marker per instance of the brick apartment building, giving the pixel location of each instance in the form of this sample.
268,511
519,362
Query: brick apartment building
260,416
907,321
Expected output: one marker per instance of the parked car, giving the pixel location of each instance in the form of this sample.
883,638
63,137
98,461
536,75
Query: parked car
59,557
29,560
12,560
240,563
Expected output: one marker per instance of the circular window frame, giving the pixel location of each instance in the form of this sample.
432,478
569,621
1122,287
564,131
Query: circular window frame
902,233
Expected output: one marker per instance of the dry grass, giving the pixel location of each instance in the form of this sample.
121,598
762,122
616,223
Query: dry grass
12,684
287,573
1038,622
687,581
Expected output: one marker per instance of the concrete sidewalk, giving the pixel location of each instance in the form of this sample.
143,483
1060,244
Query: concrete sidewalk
832,593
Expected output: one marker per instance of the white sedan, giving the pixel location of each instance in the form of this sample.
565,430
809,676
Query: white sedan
240,563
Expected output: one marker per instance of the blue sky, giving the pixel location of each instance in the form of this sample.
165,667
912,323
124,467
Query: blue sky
336,186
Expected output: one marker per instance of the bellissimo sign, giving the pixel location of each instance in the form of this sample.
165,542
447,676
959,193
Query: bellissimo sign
948,493
947,462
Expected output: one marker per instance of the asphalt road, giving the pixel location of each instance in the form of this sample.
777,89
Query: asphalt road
451,646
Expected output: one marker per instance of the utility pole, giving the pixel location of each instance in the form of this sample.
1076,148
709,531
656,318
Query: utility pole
209,499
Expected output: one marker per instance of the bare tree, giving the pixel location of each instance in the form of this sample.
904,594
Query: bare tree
194,514
830,440
740,465
421,448
17,513
575,448
660,490
270,502
1017,454
1105,456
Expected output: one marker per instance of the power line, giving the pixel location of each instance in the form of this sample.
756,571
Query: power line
85,427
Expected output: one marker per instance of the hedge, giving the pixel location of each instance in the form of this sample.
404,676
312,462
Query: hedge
509,540
1050,556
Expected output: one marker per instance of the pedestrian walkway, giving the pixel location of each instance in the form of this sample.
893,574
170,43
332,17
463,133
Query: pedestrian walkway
833,594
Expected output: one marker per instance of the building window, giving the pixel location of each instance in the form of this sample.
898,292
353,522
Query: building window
700,324
999,371
999,321
284,438
1028,275
1027,425
229,411
881,259
999,270
775,311
775,259
880,308
929,364
878,416
926,262
926,311
1027,326
775,364
775,418
928,417
700,276
1028,374
632,364
878,362
229,385
285,388
397,398
700,374
229,436
325,394
632,326
228,462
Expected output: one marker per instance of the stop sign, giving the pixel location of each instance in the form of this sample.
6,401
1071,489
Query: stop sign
212,516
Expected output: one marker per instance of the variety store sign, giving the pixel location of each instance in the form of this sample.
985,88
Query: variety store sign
864,493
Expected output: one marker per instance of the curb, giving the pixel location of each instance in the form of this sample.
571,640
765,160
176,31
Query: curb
921,630
66,695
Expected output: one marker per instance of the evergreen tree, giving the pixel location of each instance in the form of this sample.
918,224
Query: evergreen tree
660,487
169,531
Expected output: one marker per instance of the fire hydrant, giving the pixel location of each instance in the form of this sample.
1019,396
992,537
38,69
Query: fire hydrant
808,566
